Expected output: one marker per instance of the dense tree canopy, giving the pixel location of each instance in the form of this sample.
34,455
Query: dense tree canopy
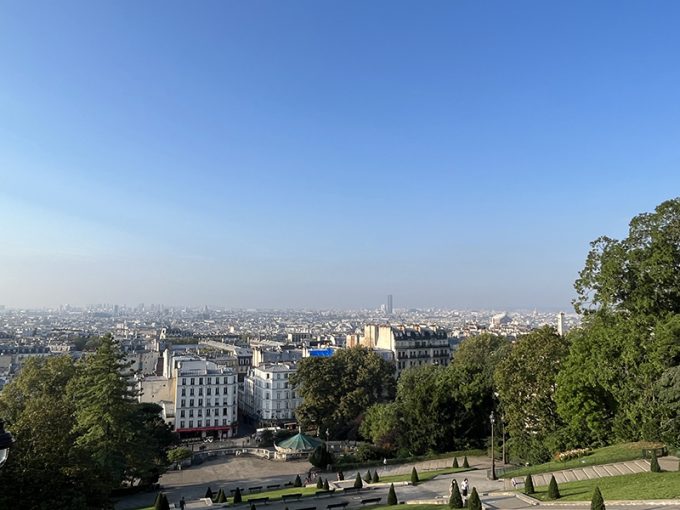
338,390
78,432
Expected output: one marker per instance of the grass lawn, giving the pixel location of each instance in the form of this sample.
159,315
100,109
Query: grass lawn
606,455
412,507
637,486
276,494
423,476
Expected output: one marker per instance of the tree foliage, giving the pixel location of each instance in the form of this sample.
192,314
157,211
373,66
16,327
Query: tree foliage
474,503
553,489
338,390
391,496
455,499
597,502
529,485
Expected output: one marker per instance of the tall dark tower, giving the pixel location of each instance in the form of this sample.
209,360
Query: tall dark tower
388,309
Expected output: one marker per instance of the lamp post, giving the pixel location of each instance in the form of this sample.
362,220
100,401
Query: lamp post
493,459
6,442
327,434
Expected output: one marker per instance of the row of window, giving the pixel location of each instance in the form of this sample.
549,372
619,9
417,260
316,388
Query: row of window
199,412
208,402
208,391
208,380
199,423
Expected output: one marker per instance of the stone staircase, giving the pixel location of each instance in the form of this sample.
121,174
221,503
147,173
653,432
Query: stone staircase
582,473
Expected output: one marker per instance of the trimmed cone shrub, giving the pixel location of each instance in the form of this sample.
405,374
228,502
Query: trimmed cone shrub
237,496
358,482
164,503
391,496
466,464
298,481
553,489
157,501
209,493
368,477
319,483
474,503
414,476
529,485
341,475
455,462
326,487
376,478
222,497
252,506
654,464
455,501
597,503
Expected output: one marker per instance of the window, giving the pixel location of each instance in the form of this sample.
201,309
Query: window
207,412
191,402
181,424
200,380
208,391
209,380
224,411
200,412
184,392
200,402
207,423
191,424
184,403
224,422
191,392
191,413
200,423
193,381
217,390
184,380
181,413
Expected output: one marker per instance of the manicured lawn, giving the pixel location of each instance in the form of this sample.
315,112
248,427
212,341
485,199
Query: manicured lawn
606,455
276,494
423,476
412,507
637,486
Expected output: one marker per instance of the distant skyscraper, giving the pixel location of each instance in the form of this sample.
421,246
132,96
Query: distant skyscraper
389,304
560,323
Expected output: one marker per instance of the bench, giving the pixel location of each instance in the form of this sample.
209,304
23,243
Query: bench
288,484
255,489
368,501
275,486
207,501
351,489
287,497
337,505
254,501
324,492
307,508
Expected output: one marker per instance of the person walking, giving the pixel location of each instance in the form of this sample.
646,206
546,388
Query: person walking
182,503
464,487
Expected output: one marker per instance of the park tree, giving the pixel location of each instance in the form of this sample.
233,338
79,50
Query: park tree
455,499
237,495
529,485
358,482
474,503
321,457
597,502
298,481
391,496
414,476
381,425
668,392
368,477
654,466
455,463
553,489
338,390
376,478
526,380
179,454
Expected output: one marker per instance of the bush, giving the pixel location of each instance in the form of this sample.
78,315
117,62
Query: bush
162,502
178,455
455,501
553,489
366,452
237,496
597,503
414,476
391,496
209,493
319,483
326,487
321,457
298,481
455,462
474,503
358,483
368,477
654,464
529,485
222,497
341,475
376,478
157,501
466,464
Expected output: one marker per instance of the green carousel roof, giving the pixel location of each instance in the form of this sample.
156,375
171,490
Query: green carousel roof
300,443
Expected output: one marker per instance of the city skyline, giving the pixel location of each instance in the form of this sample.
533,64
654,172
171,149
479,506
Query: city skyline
305,155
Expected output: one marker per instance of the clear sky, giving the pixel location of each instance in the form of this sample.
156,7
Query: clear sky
327,153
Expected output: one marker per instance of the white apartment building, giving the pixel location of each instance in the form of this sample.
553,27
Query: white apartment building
412,345
268,395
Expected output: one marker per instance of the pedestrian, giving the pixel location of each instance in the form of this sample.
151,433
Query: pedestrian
464,487
181,503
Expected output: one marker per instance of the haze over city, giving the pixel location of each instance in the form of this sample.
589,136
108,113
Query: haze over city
324,155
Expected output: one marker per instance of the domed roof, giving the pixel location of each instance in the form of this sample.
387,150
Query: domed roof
298,443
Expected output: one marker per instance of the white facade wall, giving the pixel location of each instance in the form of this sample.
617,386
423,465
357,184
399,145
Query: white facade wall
267,392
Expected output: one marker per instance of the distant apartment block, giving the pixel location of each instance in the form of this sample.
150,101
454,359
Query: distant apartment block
412,345
267,394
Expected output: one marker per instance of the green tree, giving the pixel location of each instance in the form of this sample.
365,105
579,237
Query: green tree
337,391
222,497
164,504
466,464
529,485
455,500
597,502
298,481
414,476
474,503
237,496
358,482
209,493
553,489
179,454
368,477
668,392
319,483
526,380
455,463
157,501
381,425
391,496
654,464
376,478
321,457
326,485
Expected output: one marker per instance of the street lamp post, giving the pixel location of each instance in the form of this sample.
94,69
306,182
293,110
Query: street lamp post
493,458
6,442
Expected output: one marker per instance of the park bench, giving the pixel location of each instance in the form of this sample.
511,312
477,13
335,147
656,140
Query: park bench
257,501
287,497
351,489
255,489
275,486
307,508
337,505
368,501
207,501
288,484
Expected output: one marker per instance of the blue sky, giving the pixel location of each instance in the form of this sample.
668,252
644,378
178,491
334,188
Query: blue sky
325,154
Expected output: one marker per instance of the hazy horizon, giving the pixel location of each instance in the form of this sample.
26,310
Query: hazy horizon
323,155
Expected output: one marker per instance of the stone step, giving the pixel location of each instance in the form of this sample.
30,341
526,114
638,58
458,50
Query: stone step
600,471
570,476
611,470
